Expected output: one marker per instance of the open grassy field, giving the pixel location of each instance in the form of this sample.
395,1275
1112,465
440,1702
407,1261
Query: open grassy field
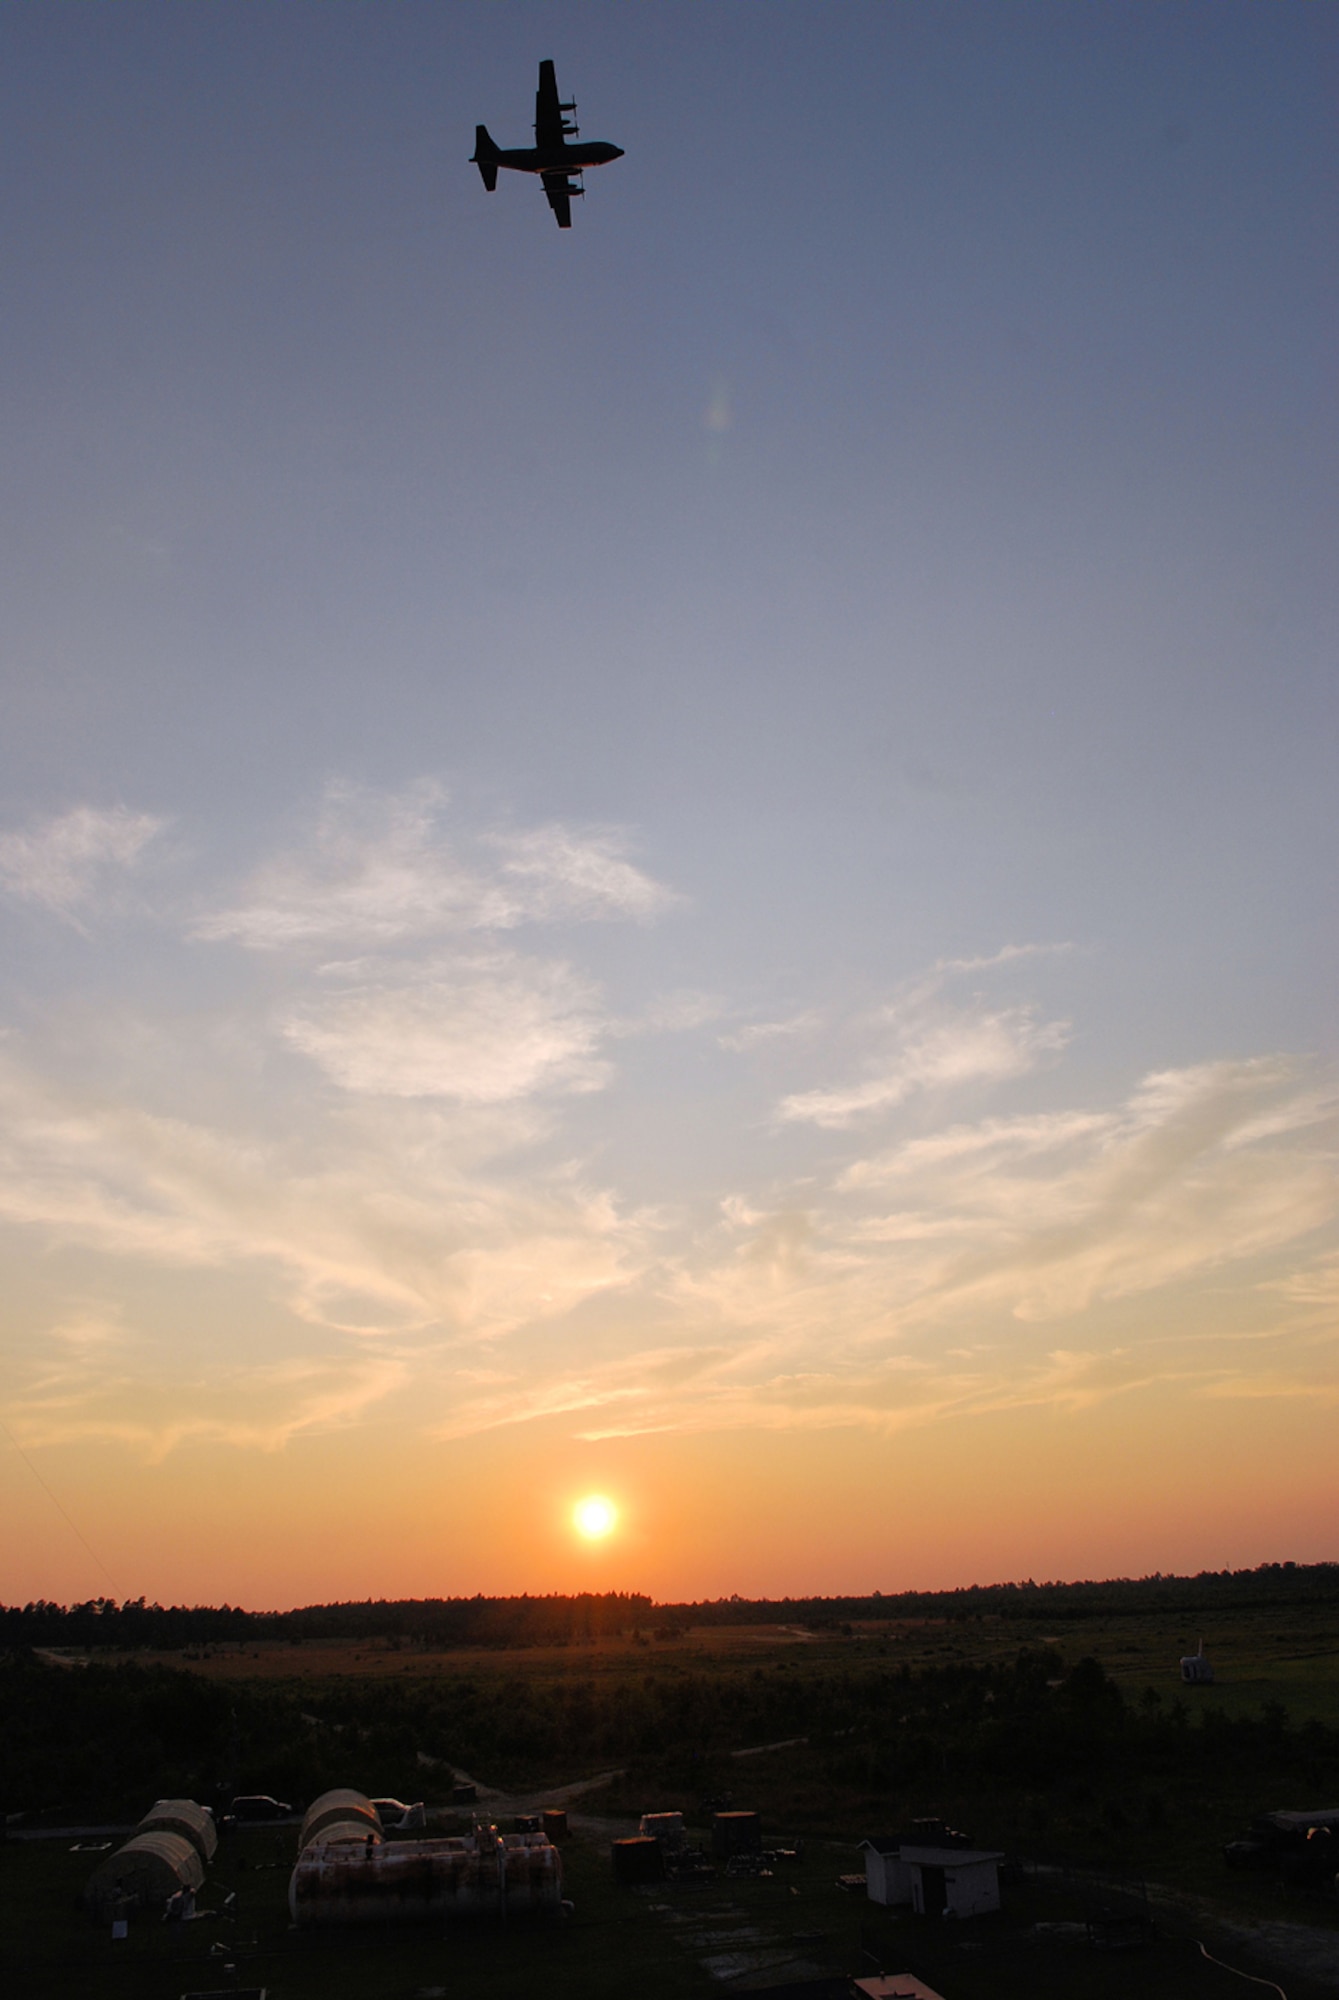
831,1733
1288,1656
691,1715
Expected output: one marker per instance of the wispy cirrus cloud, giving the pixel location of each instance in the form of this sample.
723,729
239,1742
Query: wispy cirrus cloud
933,1051
764,1034
1049,1213
376,1219
482,1029
924,1040
586,1393
68,862
260,1407
434,1005
1315,1284
948,1277
853,1297
397,1231
1008,954
381,868
557,873
978,1147
1166,1189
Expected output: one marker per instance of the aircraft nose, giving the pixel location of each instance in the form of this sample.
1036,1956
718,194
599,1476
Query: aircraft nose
615,152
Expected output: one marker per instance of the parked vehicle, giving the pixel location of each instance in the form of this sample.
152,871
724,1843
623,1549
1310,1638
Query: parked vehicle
258,1806
1302,1846
395,1813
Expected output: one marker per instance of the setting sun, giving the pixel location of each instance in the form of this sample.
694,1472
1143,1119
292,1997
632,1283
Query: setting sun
594,1516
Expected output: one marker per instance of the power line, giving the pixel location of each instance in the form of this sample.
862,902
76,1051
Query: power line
90,1552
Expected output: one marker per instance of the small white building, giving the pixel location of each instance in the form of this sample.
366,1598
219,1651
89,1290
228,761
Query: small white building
953,1881
1195,1669
886,1881
934,1881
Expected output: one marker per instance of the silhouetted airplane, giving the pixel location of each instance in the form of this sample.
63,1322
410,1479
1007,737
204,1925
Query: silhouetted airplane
550,157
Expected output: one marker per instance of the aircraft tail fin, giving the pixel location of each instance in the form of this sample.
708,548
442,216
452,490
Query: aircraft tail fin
484,157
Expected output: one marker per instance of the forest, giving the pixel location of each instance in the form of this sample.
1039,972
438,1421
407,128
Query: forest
555,1620
99,1741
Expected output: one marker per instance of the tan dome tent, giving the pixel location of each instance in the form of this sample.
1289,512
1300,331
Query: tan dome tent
340,1815
143,1874
185,1817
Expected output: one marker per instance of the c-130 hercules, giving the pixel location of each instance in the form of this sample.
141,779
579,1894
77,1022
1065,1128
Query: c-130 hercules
550,157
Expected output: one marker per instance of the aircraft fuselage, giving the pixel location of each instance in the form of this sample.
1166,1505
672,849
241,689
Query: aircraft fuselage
557,159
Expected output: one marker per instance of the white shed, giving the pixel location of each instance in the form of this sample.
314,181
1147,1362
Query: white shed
953,1881
886,1880
1195,1669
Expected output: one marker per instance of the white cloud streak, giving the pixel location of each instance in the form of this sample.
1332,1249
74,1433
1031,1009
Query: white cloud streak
379,869
482,1030
373,1221
1076,1206
762,1034
261,1407
925,1042
965,1046
71,861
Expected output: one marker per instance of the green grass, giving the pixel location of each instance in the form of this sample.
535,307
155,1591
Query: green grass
1167,1825
653,1941
62,1953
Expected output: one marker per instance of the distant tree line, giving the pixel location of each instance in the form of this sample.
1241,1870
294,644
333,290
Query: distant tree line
1207,1592
103,1740
433,1622
558,1620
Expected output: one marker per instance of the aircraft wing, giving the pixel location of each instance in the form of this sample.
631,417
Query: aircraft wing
560,191
549,123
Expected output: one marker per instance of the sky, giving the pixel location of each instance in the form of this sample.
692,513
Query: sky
692,859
